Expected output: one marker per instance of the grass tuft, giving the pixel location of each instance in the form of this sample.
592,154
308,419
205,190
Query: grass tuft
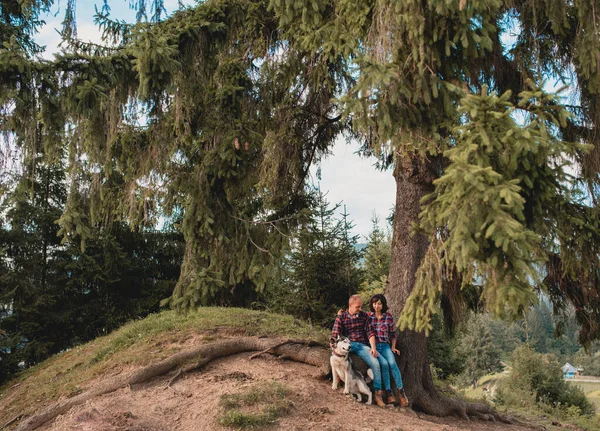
268,398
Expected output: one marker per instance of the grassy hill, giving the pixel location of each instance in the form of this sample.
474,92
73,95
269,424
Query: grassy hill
159,336
134,345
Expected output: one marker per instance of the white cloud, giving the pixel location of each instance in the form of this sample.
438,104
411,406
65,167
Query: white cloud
173,5
354,181
48,36
87,31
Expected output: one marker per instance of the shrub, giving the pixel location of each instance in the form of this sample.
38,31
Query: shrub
536,377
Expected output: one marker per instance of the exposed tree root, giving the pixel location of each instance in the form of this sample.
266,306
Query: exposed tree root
13,420
431,402
271,349
297,350
439,405
174,379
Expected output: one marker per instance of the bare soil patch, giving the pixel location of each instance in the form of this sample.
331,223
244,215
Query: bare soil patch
193,405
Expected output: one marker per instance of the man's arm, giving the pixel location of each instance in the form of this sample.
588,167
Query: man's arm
337,326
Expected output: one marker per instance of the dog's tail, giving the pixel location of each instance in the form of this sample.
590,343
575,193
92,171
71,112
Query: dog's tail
369,377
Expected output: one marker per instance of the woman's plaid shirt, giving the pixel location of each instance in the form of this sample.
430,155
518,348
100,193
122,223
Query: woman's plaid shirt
385,328
356,328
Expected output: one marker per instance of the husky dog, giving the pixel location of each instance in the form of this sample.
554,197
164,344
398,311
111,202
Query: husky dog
341,368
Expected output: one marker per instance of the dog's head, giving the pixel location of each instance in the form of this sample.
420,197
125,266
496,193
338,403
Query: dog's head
341,346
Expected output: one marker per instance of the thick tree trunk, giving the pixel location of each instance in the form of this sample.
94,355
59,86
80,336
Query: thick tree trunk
414,179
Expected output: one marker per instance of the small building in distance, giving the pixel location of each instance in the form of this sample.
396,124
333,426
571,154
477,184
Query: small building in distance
569,371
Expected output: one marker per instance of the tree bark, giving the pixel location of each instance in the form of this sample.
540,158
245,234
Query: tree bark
414,179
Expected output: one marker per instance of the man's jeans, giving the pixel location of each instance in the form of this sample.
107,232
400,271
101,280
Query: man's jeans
363,352
388,363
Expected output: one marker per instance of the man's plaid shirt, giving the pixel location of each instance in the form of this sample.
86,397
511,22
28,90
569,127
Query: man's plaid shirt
385,328
355,327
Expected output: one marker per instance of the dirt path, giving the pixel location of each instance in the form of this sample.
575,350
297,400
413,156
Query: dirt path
153,407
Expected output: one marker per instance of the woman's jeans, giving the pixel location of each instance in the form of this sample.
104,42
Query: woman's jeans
387,361
364,352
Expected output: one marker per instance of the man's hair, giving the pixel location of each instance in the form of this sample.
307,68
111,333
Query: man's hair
354,298
374,299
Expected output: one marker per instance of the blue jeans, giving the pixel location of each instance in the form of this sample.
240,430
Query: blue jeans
388,363
363,352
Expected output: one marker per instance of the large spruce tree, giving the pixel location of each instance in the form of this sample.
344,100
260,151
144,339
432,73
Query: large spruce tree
240,97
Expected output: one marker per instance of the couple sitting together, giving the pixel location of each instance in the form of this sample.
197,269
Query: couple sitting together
373,338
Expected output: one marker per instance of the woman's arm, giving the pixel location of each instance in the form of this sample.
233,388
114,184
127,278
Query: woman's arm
392,335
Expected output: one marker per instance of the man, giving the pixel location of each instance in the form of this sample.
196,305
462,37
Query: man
355,325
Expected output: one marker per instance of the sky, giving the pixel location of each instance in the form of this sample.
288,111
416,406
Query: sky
346,178
352,180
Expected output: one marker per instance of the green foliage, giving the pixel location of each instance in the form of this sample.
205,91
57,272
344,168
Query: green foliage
539,327
155,60
589,361
376,261
218,112
173,119
444,353
499,197
536,378
53,294
31,287
504,204
478,348
322,271
19,21
507,335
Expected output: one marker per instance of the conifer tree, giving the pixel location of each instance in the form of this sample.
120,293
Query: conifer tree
376,261
53,295
322,270
34,267
539,327
479,349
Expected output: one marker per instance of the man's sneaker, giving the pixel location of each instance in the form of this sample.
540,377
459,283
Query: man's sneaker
377,398
390,397
402,397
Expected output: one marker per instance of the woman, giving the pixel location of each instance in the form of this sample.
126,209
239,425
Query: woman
385,338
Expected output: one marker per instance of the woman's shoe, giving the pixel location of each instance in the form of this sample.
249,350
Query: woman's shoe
390,397
377,399
402,397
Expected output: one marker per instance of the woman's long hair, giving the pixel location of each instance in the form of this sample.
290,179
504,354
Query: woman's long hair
374,299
